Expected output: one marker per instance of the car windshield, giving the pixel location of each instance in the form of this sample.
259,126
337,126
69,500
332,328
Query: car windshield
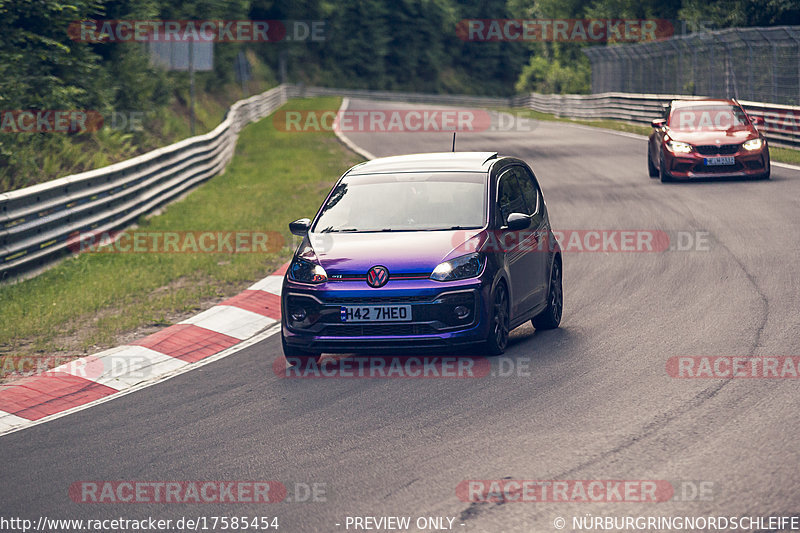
405,202
717,117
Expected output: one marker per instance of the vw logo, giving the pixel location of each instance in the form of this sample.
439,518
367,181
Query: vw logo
377,276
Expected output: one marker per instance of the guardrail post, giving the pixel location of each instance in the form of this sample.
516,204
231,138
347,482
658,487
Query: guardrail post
793,36
774,71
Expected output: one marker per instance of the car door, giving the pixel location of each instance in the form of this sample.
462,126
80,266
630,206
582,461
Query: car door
519,261
536,242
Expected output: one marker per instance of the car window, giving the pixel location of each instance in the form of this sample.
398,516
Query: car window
411,201
509,196
708,117
529,191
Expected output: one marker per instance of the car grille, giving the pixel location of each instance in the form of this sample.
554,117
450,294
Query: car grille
377,330
714,149
717,169
378,300
422,310
427,317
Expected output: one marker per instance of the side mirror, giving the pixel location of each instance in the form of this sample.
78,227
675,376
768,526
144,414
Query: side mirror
658,123
758,121
518,221
300,227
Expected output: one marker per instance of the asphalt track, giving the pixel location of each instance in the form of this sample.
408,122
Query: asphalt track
595,401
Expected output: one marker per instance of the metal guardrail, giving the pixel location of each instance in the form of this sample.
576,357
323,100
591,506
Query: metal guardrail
638,108
781,122
39,223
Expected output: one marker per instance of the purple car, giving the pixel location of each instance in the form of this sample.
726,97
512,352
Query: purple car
423,251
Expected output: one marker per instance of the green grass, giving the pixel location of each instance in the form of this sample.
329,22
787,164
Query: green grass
94,301
784,155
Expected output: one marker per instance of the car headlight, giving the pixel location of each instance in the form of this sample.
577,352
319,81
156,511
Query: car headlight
679,147
307,272
463,267
753,144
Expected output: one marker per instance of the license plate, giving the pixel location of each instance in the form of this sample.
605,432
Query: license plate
711,161
376,313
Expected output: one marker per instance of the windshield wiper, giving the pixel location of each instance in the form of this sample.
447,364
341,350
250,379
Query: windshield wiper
331,229
390,230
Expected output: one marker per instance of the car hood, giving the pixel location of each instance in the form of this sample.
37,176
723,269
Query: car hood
711,137
400,252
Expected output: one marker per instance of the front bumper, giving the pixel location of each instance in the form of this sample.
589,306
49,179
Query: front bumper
433,322
747,164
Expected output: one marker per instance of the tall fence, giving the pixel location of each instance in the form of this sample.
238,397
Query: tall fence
755,64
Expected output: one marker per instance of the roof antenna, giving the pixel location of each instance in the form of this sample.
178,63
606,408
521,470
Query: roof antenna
454,141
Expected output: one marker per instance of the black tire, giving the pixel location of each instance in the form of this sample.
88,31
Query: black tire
662,170
550,318
500,319
652,171
297,355
766,174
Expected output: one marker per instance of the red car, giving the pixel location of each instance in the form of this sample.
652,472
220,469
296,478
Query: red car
707,139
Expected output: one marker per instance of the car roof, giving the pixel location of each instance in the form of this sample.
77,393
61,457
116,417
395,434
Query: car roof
432,162
705,101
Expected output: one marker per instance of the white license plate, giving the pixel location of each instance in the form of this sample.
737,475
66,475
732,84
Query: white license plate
376,313
712,161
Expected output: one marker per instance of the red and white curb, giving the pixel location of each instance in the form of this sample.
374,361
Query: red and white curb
246,319
226,328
